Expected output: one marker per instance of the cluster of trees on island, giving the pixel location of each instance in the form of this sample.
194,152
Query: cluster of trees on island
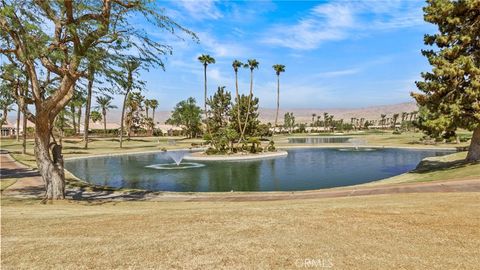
55,48
230,125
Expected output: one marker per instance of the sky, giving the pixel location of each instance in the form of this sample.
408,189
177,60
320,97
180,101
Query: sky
338,54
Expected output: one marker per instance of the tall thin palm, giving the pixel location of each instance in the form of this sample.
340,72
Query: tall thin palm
206,59
104,103
325,121
154,106
236,65
278,69
382,116
147,106
252,64
130,66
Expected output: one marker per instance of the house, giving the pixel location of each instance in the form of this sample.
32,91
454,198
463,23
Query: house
8,130
99,126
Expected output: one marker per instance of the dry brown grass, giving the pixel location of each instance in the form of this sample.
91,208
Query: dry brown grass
408,231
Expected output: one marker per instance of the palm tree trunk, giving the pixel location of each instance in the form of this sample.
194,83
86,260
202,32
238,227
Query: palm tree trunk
238,105
24,135
205,99
248,106
79,118
87,108
278,103
104,123
72,109
24,112
123,116
17,132
153,117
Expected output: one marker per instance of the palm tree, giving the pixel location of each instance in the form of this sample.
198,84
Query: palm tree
278,69
404,116
154,106
313,119
147,106
325,119
130,66
95,116
394,120
382,116
206,59
252,64
104,103
134,104
236,65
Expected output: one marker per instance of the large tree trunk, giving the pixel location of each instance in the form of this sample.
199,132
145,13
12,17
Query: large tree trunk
87,109
49,166
474,149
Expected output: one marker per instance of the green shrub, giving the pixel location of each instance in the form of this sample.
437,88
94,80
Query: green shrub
211,151
271,146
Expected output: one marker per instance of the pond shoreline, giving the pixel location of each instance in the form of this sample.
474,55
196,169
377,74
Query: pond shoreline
201,156
280,147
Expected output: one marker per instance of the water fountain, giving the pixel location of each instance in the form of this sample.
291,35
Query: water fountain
173,166
357,145
177,156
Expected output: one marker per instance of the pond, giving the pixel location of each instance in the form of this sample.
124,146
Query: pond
317,140
302,169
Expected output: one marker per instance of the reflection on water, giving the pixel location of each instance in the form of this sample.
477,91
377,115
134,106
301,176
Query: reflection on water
317,140
302,169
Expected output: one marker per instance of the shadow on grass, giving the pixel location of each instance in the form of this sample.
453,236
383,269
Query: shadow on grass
76,152
101,195
428,166
17,173
96,194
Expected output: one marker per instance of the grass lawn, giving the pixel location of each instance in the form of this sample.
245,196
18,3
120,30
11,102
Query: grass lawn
405,231
5,183
397,231
449,167
375,138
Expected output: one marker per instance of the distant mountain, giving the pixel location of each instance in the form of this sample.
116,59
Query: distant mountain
301,115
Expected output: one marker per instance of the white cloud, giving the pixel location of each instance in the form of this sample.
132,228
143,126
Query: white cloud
338,73
340,20
200,9
219,48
